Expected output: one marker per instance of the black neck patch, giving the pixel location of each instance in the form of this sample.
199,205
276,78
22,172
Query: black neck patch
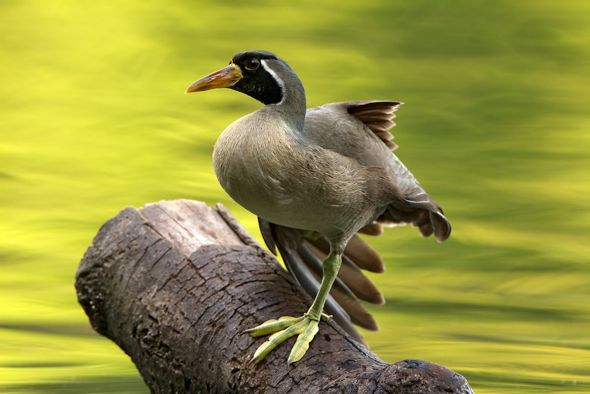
261,86
257,83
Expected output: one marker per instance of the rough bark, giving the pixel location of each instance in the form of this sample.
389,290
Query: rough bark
176,283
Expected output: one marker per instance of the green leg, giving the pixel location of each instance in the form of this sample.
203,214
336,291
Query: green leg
306,326
331,266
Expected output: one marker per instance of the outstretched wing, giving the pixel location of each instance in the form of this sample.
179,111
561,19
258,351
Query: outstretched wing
359,130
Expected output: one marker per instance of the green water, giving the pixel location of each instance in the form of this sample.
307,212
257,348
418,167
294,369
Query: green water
93,118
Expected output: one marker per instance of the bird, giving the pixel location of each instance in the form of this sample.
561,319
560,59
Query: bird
316,178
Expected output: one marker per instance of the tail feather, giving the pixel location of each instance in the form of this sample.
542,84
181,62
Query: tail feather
313,259
357,250
350,275
358,314
424,214
441,225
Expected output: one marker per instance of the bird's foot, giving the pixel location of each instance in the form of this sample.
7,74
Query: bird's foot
284,328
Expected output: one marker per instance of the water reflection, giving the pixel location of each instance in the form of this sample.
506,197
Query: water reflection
495,126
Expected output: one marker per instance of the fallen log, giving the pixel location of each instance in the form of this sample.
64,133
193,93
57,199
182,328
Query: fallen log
176,283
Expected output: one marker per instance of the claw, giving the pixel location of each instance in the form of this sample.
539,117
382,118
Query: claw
273,325
276,339
303,341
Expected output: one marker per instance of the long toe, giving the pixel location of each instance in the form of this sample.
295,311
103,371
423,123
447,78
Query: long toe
273,325
303,341
277,338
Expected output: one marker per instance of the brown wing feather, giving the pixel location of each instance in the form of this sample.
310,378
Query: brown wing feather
376,115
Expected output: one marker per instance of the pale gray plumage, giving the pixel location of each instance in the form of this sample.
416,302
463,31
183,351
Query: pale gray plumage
315,177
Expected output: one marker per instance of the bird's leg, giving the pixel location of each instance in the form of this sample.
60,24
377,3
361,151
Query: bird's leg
331,266
305,326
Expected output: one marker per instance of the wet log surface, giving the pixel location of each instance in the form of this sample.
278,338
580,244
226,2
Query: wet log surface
175,284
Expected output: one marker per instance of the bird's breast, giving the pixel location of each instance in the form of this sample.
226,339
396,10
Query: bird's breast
251,160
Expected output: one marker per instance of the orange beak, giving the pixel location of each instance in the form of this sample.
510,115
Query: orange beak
224,78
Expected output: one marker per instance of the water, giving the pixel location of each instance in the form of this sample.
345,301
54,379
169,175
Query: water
495,126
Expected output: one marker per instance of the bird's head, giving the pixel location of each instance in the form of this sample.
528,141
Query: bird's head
259,74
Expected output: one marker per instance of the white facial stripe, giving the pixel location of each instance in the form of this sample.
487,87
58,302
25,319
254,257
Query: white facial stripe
276,78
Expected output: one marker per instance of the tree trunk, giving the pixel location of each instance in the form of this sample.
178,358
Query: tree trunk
176,283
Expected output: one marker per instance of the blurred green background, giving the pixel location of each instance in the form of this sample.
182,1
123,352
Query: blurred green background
93,118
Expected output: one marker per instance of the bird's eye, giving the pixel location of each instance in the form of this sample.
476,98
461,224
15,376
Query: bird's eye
252,64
